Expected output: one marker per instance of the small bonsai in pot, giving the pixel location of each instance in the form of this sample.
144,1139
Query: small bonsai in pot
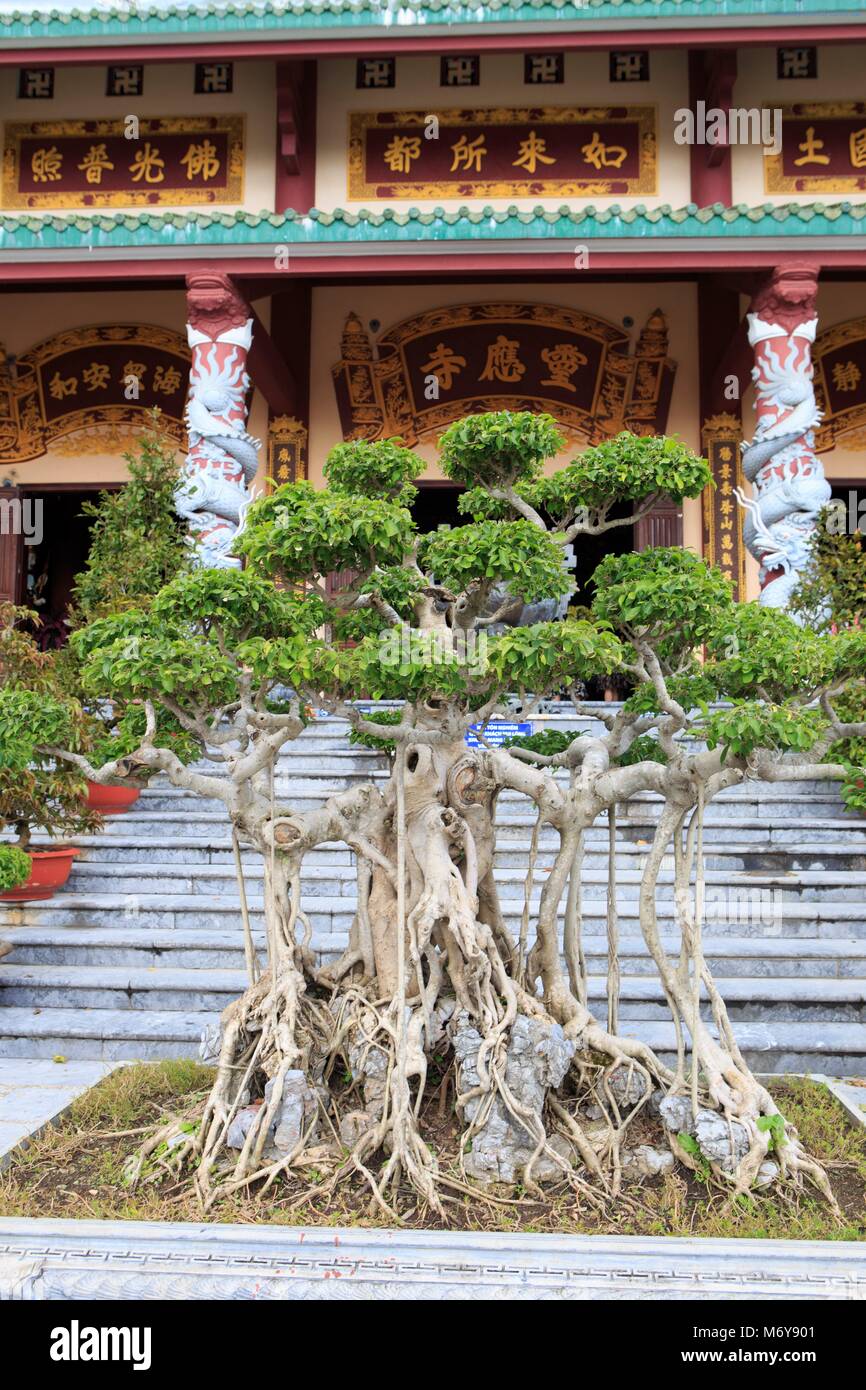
37,791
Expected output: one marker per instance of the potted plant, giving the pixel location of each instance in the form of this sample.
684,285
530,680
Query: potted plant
37,790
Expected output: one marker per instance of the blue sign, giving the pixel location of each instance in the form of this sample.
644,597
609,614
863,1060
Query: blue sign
496,732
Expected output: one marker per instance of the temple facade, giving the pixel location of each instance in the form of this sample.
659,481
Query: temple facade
290,224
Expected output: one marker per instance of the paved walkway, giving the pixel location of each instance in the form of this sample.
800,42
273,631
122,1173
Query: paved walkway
35,1091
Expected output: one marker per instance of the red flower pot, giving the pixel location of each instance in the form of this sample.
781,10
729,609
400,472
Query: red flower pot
50,870
111,801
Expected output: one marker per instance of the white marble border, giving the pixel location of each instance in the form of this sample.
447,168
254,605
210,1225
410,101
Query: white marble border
68,1259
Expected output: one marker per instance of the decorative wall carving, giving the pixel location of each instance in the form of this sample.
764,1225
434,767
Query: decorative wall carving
723,540
823,149
436,366
287,450
565,151
91,164
839,356
88,390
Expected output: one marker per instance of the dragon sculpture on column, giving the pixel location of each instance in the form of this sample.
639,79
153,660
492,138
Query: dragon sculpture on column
788,483
214,491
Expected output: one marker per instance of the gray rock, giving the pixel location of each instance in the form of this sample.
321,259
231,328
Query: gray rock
241,1126
538,1058
627,1088
647,1162
676,1113
298,1108
210,1044
767,1173
714,1135
353,1125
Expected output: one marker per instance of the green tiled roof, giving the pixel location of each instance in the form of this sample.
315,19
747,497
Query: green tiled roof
230,18
341,228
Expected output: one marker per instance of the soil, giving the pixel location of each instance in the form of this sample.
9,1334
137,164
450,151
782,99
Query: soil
76,1170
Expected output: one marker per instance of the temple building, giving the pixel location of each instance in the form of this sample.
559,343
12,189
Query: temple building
389,215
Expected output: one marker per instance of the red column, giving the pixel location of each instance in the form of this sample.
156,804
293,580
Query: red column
223,457
788,484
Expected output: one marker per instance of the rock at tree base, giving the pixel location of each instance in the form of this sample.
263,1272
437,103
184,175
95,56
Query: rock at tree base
644,1161
714,1135
538,1058
297,1108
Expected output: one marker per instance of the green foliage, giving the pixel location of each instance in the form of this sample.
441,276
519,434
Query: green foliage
548,742
235,605
670,597
552,656
137,539
774,1125
499,448
381,469
628,468
689,1144
832,589
298,532
763,652
746,726
644,749
381,745
14,867
514,551
35,709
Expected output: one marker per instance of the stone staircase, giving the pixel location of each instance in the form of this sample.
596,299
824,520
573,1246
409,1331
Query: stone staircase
143,948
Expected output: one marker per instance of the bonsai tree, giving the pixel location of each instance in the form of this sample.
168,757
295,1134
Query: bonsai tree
37,789
432,969
137,545
137,542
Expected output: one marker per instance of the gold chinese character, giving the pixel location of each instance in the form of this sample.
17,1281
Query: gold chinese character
468,154
60,388
136,369
444,364
202,159
600,155
46,165
400,152
94,163
166,379
147,165
532,153
95,377
562,361
502,361
810,147
857,148
846,376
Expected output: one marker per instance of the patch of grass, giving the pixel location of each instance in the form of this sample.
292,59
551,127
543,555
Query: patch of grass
126,1096
76,1170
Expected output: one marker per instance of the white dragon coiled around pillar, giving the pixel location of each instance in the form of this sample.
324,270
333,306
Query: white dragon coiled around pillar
788,483
215,488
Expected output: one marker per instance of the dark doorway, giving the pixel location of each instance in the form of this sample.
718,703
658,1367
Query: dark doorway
52,564
436,505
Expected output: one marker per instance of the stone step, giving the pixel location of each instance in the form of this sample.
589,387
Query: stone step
124,1034
112,1034
340,880
748,912
99,987
180,949
722,852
